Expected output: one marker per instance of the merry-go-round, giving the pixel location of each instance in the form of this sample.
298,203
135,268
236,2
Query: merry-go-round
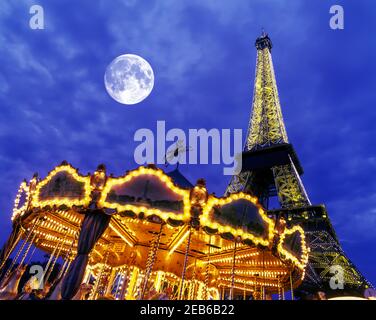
147,235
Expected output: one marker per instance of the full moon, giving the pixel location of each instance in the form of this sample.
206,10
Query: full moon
129,79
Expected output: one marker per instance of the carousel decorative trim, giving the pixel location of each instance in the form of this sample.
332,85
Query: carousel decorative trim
60,201
204,252
213,201
301,261
165,179
19,211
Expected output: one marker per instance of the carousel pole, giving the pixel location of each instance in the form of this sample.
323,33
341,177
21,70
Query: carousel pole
279,288
66,270
110,278
87,276
120,274
291,286
153,255
98,280
36,223
207,271
32,254
46,269
14,261
185,262
10,251
255,289
233,273
263,275
63,267
60,246
125,283
67,258
26,252
193,289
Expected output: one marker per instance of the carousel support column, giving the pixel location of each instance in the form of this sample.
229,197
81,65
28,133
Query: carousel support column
185,263
233,273
244,293
153,255
93,226
291,286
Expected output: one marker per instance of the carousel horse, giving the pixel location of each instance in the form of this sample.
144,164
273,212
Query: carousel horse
55,291
32,290
26,291
9,289
83,291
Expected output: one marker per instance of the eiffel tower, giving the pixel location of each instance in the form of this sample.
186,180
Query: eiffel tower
271,170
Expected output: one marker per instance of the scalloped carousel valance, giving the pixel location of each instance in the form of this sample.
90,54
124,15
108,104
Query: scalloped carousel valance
216,242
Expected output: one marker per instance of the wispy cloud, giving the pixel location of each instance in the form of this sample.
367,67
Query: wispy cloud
54,105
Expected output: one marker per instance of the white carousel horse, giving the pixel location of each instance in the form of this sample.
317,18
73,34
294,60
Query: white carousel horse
9,290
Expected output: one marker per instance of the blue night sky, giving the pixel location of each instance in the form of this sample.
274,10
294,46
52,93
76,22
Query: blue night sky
54,105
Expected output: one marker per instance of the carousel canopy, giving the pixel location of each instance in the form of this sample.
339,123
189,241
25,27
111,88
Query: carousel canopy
223,242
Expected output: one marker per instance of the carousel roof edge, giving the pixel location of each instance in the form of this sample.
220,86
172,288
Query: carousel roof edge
197,205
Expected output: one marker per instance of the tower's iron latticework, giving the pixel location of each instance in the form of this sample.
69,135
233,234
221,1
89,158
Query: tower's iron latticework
271,170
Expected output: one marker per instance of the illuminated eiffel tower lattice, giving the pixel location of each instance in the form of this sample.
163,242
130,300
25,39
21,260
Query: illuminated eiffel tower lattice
271,170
